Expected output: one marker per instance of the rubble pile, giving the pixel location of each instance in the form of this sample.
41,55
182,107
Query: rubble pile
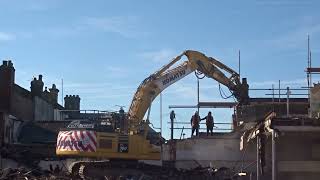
34,174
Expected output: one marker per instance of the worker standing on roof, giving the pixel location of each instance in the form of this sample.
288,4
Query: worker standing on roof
209,123
172,117
195,120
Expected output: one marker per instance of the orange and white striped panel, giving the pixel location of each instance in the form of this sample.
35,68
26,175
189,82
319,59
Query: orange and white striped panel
77,140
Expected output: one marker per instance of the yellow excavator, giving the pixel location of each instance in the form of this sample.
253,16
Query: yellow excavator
125,148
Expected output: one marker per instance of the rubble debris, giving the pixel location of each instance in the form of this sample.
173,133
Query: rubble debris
35,174
56,174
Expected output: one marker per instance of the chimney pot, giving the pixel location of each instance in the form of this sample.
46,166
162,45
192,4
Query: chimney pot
10,64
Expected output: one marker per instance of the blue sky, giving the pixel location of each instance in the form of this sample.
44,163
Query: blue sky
104,49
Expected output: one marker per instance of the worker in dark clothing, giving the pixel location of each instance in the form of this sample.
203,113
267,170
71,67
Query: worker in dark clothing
209,123
195,120
172,115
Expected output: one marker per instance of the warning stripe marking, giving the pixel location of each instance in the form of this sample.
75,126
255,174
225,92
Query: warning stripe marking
77,140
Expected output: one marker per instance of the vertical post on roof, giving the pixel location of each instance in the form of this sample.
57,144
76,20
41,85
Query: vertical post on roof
310,67
239,63
161,114
62,103
258,159
288,95
273,97
198,93
279,90
309,70
309,63
171,121
274,158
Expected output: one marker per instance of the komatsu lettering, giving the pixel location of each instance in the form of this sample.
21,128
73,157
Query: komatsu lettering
173,77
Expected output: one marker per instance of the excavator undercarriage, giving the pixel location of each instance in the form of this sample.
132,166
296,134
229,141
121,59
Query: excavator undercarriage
134,170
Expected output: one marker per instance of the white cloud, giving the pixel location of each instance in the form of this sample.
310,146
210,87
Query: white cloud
282,3
295,38
7,36
268,84
61,31
163,55
114,69
123,25
109,96
184,92
98,90
116,72
39,6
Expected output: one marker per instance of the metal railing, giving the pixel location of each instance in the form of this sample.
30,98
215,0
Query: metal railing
216,129
61,115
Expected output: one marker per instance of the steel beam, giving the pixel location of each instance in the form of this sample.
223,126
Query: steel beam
207,105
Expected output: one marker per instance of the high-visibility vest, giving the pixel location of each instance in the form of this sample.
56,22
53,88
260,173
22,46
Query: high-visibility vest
195,120
209,120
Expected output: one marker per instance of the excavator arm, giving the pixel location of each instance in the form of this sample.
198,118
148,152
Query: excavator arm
125,150
152,86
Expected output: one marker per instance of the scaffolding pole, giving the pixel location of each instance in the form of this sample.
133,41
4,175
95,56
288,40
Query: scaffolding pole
161,114
288,103
198,93
258,158
274,156
239,61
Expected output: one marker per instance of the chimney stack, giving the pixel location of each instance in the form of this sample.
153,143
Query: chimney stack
7,75
54,94
37,86
72,102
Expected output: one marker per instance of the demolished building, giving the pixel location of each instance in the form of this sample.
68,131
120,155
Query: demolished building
30,120
272,137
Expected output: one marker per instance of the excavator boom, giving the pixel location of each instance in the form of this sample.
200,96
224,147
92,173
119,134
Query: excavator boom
123,149
152,86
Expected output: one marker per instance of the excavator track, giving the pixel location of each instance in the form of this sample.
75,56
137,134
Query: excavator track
81,171
73,169
91,170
